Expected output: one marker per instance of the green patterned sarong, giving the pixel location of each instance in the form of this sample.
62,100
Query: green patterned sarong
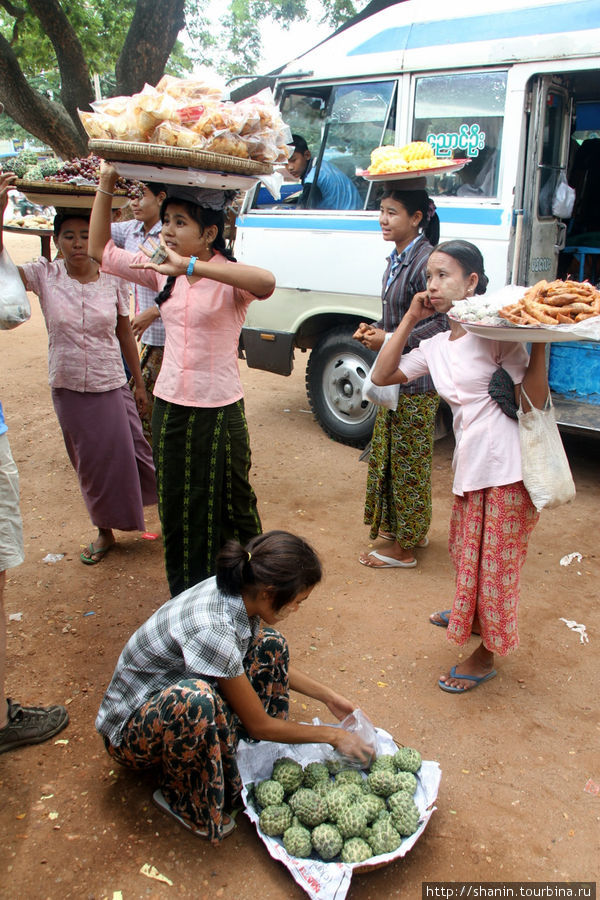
202,462
399,478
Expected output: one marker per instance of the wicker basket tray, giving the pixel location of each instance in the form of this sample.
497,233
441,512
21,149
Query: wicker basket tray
178,157
64,194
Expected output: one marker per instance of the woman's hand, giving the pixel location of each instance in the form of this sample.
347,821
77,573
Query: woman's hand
172,265
352,746
339,706
141,399
107,177
7,181
369,336
143,320
420,306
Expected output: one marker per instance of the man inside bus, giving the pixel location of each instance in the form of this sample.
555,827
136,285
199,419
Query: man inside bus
333,189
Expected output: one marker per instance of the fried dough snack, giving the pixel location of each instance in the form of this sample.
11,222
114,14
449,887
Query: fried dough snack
412,157
554,303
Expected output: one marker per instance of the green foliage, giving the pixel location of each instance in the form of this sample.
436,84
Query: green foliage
101,27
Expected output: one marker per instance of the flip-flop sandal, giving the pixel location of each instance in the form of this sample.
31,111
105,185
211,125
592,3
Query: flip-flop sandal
88,561
158,799
477,680
388,562
444,615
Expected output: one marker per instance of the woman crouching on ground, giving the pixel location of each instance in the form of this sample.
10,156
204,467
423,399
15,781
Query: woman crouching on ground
202,673
492,515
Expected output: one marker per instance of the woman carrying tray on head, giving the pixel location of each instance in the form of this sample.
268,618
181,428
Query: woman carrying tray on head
492,516
199,433
87,317
398,500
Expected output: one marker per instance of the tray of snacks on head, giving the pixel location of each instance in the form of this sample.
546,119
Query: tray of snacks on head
326,821
73,186
31,223
184,123
546,312
411,161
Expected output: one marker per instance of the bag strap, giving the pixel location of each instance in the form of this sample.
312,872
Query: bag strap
547,405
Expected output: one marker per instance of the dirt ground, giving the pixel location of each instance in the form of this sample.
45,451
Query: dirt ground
516,754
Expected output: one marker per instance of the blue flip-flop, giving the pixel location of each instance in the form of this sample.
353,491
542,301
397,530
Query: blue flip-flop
444,615
474,678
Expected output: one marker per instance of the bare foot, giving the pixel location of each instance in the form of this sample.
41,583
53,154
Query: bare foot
393,551
477,666
95,551
441,619
390,536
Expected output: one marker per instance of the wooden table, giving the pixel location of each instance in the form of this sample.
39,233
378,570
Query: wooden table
44,235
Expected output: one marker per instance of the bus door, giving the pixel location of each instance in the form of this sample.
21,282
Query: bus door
542,234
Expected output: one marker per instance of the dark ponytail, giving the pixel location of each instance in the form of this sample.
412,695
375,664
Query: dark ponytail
418,201
282,562
469,258
205,217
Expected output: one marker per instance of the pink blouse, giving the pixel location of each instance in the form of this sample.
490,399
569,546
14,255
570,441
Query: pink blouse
202,323
487,452
84,353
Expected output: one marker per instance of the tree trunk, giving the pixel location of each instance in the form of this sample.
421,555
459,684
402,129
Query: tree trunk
76,90
148,45
47,120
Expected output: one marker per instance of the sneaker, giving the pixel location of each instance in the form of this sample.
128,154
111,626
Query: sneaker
31,724
159,800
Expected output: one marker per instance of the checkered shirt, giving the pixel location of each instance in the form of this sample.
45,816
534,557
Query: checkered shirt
201,633
128,236
403,278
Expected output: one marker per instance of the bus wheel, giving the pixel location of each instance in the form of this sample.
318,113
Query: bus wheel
335,373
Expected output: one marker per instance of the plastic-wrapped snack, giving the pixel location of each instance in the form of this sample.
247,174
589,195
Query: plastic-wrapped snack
97,126
227,143
218,117
111,106
190,115
188,89
262,147
150,108
174,135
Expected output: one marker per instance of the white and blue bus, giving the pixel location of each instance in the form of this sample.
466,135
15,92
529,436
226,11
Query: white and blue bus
512,85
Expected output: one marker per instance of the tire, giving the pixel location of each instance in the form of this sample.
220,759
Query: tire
335,373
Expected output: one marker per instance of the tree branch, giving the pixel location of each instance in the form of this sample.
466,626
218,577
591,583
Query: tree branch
76,87
150,39
40,116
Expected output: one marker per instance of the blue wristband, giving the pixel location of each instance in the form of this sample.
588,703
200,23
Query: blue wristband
190,268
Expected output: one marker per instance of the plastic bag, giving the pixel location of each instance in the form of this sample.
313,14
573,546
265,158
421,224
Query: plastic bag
358,723
546,473
563,199
383,395
14,303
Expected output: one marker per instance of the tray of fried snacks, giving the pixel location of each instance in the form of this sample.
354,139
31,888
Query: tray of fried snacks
417,158
247,137
546,312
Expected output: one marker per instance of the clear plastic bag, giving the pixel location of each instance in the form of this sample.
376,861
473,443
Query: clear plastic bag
14,303
360,724
563,199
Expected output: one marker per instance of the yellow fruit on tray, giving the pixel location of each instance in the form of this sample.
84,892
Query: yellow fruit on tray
412,157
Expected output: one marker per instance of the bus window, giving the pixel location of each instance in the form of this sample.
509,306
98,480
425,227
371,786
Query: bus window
461,116
341,125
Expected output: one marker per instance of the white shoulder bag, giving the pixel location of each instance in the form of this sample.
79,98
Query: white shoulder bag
546,472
